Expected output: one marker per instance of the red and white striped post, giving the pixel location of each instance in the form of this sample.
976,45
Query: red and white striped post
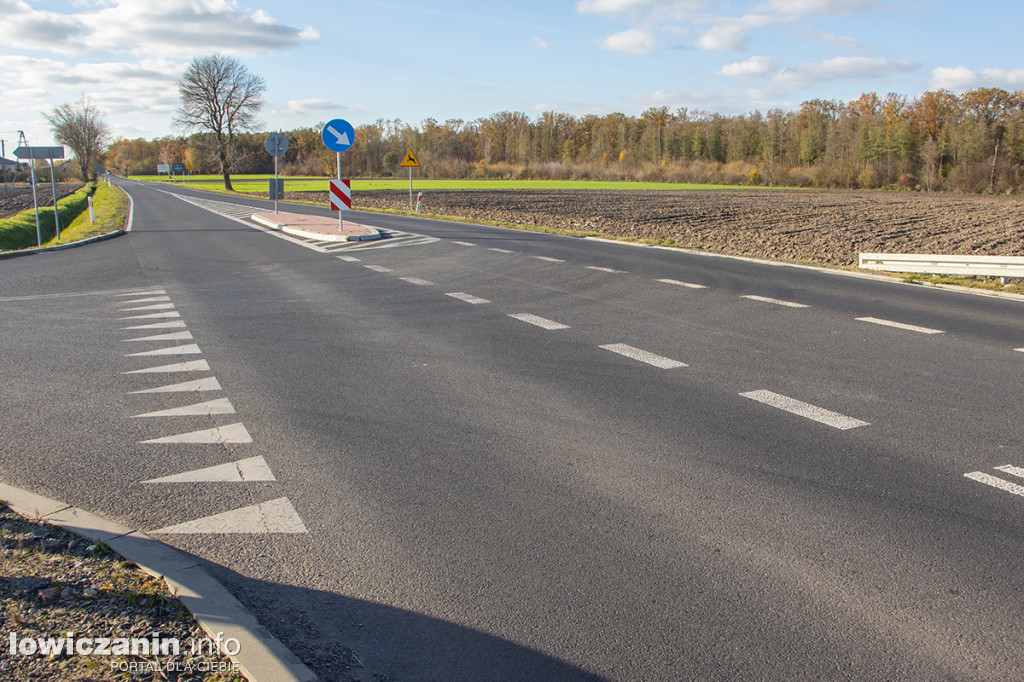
419,200
341,199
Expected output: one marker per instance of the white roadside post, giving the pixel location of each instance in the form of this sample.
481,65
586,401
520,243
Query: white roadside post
338,135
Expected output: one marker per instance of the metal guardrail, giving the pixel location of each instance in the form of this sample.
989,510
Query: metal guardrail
985,266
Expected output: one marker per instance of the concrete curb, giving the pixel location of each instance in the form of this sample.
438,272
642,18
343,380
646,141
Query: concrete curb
274,225
261,657
62,247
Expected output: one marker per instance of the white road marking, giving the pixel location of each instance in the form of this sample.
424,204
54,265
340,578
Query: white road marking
153,306
378,268
644,356
207,384
152,316
417,281
1012,470
173,336
203,409
539,321
152,299
497,250
601,269
189,349
232,433
996,482
350,259
900,325
190,366
468,298
812,412
276,516
775,301
1019,350
251,469
464,243
548,259
688,285
174,324
151,292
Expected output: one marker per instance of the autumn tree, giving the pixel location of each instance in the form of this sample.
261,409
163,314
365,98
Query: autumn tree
220,95
81,127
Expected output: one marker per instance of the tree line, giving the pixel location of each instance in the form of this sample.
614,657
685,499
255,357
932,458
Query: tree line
939,141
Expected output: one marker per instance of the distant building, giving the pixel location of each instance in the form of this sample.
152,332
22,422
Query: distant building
8,165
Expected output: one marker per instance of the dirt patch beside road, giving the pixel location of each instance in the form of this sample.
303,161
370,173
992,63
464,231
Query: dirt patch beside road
819,226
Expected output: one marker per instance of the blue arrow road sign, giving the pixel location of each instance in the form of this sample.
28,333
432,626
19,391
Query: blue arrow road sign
338,135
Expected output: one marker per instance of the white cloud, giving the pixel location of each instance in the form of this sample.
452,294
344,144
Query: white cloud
306,106
144,27
540,43
732,33
755,66
632,41
807,76
823,7
960,78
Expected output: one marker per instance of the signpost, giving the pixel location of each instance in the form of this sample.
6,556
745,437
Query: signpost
277,146
410,162
48,153
339,136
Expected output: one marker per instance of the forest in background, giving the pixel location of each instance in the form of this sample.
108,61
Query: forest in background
939,141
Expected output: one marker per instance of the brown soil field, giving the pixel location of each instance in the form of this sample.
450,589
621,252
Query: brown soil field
18,198
818,226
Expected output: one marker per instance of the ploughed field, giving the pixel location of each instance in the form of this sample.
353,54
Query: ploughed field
820,226
17,198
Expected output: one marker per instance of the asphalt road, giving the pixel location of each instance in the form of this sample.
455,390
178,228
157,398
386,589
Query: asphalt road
470,453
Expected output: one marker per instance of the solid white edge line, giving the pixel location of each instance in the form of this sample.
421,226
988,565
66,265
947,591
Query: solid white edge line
538,321
643,356
775,301
900,325
806,410
995,482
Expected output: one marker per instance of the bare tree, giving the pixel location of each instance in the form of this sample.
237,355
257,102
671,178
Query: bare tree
219,94
81,127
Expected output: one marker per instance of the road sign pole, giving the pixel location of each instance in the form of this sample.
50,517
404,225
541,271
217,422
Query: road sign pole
56,215
410,188
341,214
275,184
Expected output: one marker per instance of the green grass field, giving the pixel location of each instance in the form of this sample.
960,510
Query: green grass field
258,183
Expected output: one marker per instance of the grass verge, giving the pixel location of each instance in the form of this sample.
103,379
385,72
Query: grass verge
110,206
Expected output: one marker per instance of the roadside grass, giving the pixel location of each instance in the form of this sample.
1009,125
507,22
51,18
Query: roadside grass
110,205
19,232
258,183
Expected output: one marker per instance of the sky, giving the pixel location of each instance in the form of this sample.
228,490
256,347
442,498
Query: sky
365,60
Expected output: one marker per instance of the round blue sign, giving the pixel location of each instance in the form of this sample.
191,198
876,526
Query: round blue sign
338,135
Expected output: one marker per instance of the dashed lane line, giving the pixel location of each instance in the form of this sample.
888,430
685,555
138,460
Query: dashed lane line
417,281
349,259
806,410
538,321
378,268
688,285
549,259
775,301
497,250
604,269
464,243
468,298
644,356
900,325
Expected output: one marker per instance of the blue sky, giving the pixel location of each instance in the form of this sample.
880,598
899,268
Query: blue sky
444,59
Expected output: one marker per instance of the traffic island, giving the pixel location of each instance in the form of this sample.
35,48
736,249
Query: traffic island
321,228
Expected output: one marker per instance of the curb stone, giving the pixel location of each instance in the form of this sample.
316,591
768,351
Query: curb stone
261,656
61,247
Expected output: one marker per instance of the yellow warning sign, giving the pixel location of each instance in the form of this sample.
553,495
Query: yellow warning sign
410,160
